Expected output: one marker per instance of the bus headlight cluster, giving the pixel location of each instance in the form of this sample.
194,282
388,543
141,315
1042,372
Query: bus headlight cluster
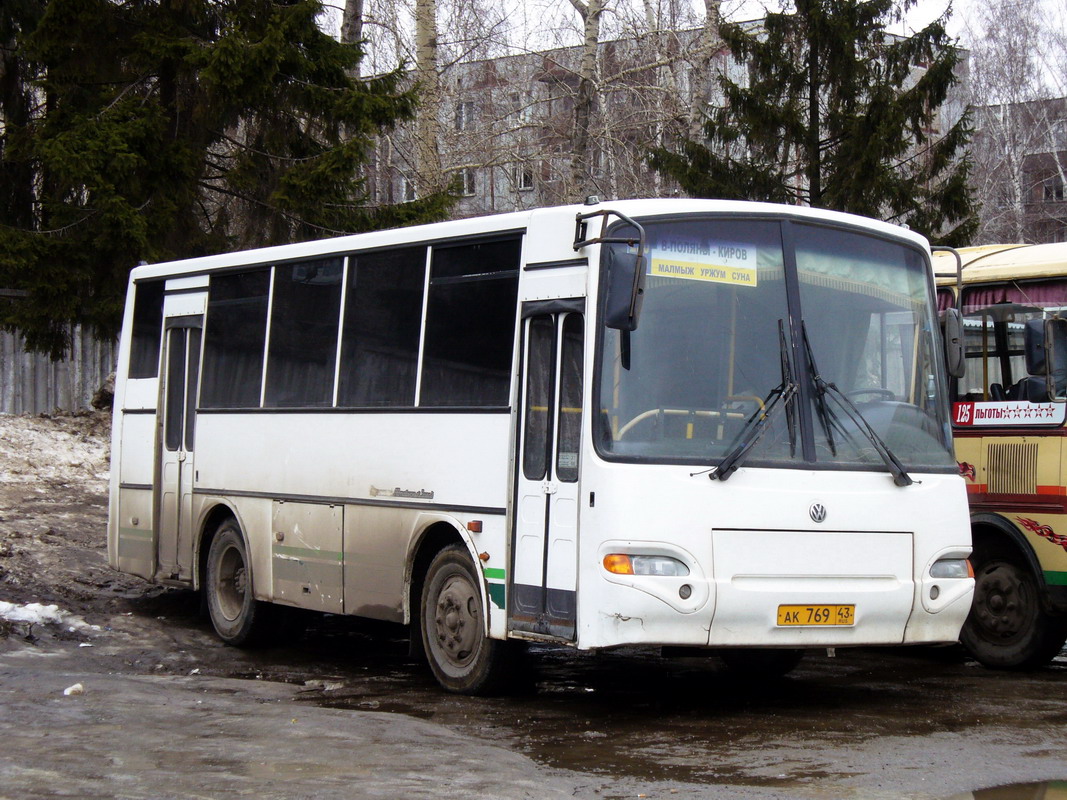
625,564
951,568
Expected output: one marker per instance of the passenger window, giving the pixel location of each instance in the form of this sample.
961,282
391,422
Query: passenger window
147,329
302,353
570,398
383,319
540,366
175,379
236,329
470,324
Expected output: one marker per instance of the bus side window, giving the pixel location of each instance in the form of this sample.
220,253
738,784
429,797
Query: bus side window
470,324
147,329
236,329
380,333
302,352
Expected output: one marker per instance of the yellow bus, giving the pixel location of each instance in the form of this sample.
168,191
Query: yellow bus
1008,419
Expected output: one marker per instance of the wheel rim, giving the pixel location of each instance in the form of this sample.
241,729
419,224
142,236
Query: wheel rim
456,626
231,585
1004,605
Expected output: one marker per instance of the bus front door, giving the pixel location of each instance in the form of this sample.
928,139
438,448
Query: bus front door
543,596
181,369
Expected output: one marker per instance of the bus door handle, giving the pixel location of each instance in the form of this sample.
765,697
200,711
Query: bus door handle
549,487
181,456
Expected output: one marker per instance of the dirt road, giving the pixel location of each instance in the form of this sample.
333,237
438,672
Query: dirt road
166,711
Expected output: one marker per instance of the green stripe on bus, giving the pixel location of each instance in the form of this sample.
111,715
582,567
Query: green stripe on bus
494,572
1055,578
496,594
307,553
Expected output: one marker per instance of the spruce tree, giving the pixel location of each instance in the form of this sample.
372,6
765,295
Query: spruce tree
836,114
163,129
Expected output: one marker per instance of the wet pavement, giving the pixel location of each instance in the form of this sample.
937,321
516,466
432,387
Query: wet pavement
346,713
169,712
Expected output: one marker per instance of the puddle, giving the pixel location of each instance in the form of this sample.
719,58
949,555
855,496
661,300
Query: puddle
1043,790
634,715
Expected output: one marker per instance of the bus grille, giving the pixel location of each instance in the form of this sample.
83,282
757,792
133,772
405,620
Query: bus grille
1012,468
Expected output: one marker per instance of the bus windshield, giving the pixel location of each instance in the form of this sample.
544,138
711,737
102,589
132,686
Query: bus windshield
720,339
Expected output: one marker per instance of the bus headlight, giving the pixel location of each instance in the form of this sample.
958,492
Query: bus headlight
951,568
624,564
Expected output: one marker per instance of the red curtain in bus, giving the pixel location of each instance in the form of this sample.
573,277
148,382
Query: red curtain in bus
1041,294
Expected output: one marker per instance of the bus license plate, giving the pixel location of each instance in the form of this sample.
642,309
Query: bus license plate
817,615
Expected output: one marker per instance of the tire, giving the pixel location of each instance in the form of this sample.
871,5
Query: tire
755,664
463,659
1008,627
239,619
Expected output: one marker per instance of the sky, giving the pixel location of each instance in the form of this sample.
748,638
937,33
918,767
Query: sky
923,13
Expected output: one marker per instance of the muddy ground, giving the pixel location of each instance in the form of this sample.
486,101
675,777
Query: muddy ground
165,710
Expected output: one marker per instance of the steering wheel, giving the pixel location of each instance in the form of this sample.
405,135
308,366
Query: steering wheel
881,391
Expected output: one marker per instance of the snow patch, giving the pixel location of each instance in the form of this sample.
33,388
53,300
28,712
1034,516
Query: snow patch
38,614
44,449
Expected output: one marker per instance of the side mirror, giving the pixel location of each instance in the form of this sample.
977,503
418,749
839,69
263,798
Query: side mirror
955,358
625,275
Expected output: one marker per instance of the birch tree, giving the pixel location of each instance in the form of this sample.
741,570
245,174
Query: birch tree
590,12
428,170
1015,120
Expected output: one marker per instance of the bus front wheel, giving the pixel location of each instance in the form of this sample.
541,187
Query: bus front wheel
463,659
1008,627
239,619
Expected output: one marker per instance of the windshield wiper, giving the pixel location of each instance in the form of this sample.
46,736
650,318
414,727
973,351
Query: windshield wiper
781,396
826,415
788,380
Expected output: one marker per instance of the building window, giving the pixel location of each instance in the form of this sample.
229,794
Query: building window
1053,190
467,184
1059,134
596,162
524,178
407,189
464,116
521,109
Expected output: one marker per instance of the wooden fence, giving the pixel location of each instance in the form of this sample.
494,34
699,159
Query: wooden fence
34,384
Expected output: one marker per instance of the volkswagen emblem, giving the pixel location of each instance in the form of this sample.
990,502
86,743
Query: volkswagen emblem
817,512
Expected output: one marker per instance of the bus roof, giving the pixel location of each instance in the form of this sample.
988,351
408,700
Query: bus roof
557,218
999,262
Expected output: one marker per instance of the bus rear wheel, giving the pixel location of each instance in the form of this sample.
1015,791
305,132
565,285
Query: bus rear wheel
463,659
1008,627
239,619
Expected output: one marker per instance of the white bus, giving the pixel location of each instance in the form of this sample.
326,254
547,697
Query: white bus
676,423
